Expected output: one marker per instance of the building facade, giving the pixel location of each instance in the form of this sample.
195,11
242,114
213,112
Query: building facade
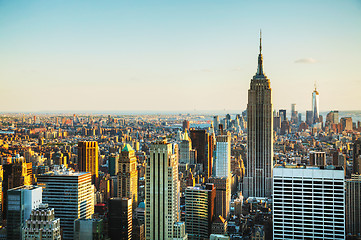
162,192
70,194
120,224
88,152
223,156
113,161
128,175
185,147
223,196
203,143
353,206
356,168
15,174
85,229
308,203
317,158
199,207
259,164
42,225
21,201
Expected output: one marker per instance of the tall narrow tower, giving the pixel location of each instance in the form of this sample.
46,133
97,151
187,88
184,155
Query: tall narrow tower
315,95
258,178
88,158
161,194
128,175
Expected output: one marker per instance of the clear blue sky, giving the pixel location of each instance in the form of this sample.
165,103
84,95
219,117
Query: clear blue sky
176,55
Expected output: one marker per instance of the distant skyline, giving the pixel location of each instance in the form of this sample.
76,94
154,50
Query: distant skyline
174,56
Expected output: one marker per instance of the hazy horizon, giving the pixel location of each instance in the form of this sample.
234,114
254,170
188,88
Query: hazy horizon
155,56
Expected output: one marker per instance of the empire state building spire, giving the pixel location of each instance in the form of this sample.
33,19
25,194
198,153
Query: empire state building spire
260,58
257,181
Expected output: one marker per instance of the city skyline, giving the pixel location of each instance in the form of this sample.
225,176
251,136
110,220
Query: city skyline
163,56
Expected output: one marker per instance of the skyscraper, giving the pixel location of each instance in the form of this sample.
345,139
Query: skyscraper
128,175
185,147
332,118
315,96
199,206
186,125
283,114
91,228
308,203
216,122
21,201
15,174
356,168
346,123
42,224
113,162
223,196
162,194
258,178
70,194
353,206
294,113
120,218
223,156
309,117
88,158
202,141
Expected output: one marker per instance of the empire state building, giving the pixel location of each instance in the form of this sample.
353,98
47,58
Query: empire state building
258,178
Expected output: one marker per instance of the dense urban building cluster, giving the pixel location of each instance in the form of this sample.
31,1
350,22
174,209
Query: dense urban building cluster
260,174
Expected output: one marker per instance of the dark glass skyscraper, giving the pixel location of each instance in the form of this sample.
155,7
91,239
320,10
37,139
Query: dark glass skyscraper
258,178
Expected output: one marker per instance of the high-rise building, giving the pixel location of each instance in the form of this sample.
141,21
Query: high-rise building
180,231
223,196
120,219
308,203
71,194
222,160
332,118
216,123
317,158
294,113
283,114
346,123
185,147
113,164
162,191
202,142
88,152
276,123
186,125
315,109
199,207
309,117
85,229
219,226
300,117
16,174
21,201
353,206
258,178
42,224
356,168
128,175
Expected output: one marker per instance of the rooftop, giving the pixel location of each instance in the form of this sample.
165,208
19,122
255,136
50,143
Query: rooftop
293,166
25,187
127,148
